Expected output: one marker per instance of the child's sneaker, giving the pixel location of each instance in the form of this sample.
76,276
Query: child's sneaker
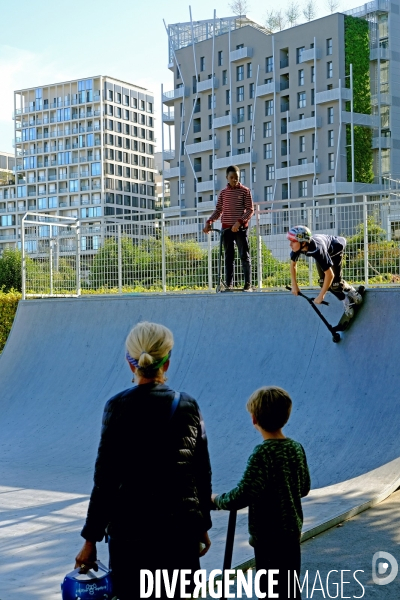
348,309
354,296
247,287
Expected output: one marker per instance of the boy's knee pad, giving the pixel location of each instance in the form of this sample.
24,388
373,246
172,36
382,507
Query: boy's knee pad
320,282
337,286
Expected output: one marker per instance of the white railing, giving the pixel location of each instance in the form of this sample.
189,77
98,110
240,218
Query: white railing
241,53
311,54
207,85
205,146
298,170
303,124
236,159
331,95
224,121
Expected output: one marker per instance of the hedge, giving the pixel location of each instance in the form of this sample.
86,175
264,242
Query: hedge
8,308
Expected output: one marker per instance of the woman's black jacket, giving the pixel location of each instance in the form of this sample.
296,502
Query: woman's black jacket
152,471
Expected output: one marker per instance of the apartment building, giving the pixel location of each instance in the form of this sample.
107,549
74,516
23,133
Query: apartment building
7,164
83,149
284,107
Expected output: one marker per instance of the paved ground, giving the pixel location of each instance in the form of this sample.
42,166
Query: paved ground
65,358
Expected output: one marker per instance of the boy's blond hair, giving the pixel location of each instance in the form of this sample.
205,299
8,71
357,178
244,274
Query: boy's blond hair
271,406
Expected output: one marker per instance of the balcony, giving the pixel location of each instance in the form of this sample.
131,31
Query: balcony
360,119
169,118
207,85
284,63
224,121
345,187
209,205
304,124
241,53
202,146
236,159
386,99
298,170
169,98
332,95
174,172
284,85
379,54
208,186
383,142
310,55
169,154
267,89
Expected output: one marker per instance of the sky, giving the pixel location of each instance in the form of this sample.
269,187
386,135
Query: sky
52,42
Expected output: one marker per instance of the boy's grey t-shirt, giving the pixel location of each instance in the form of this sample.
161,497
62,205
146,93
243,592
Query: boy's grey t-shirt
275,480
322,247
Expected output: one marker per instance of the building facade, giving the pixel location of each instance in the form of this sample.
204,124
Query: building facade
285,108
83,149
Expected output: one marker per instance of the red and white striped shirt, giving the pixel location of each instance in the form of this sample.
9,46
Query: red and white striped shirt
234,204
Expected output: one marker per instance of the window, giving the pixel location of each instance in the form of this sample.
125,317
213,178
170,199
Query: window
251,90
210,161
228,137
211,102
202,63
313,74
240,135
95,169
302,161
302,143
53,202
253,175
268,195
249,70
267,129
313,142
330,138
331,160
267,151
224,77
269,107
228,96
240,93
303,188
43,202
240,114
269,64
220,58
330,115
110,95
242,177
240,73
250,112
299,52
329,69
301,100
270,172
329,46
301,77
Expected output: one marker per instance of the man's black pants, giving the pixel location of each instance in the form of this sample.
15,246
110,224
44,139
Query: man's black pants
241,238
339,286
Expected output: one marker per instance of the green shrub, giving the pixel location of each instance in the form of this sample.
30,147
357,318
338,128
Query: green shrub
8,308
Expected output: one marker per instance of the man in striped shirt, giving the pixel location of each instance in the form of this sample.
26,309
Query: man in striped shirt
235,207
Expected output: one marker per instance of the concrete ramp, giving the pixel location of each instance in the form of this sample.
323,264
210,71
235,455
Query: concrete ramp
65,358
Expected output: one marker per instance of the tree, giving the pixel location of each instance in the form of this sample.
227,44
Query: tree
332,5
10,270
309,10
293,13
239,7
275,20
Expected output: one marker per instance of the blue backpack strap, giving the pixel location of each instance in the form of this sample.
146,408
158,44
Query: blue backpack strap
174,404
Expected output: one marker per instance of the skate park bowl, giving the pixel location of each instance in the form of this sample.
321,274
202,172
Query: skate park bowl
65,358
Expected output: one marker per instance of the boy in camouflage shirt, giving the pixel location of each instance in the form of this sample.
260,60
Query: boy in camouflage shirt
275,480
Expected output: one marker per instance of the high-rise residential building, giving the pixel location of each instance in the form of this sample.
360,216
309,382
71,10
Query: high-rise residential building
84,149
306,113
7,164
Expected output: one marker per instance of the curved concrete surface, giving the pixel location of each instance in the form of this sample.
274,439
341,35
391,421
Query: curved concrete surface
65,358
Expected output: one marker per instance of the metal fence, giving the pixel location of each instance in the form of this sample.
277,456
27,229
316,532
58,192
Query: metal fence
168,254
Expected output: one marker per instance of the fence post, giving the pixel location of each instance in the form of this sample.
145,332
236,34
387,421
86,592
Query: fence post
310,264
209,246
163,261
365,214
259,254
78,258
51,259
119,259
23,258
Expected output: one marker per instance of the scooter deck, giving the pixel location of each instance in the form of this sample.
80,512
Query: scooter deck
345,321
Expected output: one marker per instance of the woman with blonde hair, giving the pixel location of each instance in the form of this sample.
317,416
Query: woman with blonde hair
152,480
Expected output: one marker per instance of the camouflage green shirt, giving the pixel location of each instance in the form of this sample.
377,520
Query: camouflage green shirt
275,479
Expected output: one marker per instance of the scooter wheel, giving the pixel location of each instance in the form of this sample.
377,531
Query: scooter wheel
336,338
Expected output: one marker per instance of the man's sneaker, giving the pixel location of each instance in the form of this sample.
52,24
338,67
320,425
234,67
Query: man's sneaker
348,309
228,288
247,287
354,296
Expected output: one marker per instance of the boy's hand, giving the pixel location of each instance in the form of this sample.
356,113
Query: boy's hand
206,542
319,299
295,289
236,227
213,496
